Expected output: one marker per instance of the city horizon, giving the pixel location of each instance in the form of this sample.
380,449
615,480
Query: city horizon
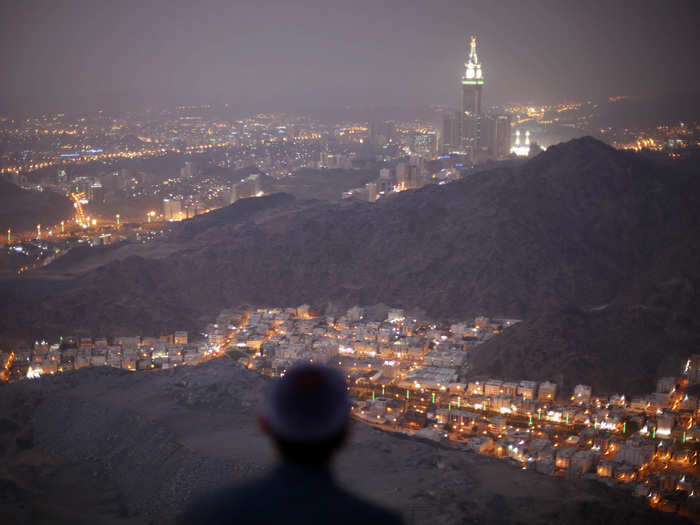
193,57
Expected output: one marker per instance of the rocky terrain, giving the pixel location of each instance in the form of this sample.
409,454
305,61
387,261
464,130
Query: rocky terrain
325,184
612,347
22,210
583,242
110,446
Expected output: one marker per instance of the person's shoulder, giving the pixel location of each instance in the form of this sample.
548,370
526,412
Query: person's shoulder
276,497
382,516
363,511
220,506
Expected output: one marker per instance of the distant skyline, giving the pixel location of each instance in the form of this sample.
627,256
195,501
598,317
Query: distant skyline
294,56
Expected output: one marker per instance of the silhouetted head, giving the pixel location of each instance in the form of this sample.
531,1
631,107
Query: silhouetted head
307,413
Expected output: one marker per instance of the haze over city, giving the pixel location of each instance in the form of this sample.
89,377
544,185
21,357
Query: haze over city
421,263
290,56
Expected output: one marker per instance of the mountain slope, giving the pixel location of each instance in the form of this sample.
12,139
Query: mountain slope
614,348
579,226
22,210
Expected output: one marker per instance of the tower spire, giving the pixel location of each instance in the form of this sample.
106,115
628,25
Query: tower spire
472,73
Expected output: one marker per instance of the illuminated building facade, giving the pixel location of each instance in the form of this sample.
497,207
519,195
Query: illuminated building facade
172,210
472,86
424,144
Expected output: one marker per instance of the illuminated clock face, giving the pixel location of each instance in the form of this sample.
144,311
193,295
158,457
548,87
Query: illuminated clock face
470,72
478,73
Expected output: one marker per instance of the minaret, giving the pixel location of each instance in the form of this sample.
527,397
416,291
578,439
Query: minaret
472,85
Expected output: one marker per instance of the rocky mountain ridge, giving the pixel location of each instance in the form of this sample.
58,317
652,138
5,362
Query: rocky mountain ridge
579,227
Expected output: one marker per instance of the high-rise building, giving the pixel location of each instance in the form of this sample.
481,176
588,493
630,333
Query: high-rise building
192,208
96,193
424,144
402,172
409,176
188,170
254,182
385,183
449,138
167,209
497,136
547,392
472,85
172,209
371,191
502,138
249,187
234,193
381,132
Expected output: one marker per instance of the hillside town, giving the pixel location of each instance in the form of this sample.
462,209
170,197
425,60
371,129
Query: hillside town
413,376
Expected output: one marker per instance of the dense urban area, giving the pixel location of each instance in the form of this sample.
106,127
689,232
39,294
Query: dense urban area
126,178
413,377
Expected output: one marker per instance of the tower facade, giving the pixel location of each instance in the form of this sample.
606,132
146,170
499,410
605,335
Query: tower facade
495,134
449,137
472,86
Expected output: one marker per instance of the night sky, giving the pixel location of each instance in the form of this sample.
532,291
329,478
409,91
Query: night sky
293,55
